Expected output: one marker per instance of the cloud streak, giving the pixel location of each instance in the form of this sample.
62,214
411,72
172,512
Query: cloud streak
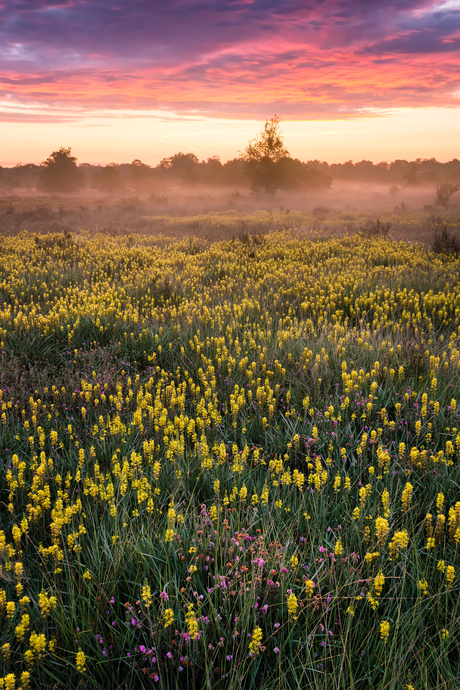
230,58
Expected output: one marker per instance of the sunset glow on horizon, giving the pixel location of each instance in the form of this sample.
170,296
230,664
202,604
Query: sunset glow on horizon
119,80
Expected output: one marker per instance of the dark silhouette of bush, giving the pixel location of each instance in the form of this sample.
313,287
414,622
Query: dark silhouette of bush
374,228
445,243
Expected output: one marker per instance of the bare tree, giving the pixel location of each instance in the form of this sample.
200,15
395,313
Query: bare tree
444,192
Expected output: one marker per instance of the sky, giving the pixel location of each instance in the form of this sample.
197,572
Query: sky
122,79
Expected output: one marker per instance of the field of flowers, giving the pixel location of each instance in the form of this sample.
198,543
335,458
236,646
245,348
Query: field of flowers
229,464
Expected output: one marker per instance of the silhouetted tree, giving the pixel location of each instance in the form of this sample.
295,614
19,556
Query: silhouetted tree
140,174
263,156
20,176
107,179
411,178
233,172
211,170
185,166
60,173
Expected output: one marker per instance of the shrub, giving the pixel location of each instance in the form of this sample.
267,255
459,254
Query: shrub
374,228
445,242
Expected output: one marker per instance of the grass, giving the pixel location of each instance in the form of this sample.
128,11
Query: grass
229,464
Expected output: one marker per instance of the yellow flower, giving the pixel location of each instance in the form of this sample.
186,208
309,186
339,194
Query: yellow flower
292,606
25,680
46,604
406,497
440,502
381,528
423,584
146,595
450,575
379,583
9,681
168,617
256,641
309,587
38,642
373,602
80,662
191,621
384,631
400,541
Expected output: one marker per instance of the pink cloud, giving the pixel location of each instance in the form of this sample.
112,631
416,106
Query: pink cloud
242,58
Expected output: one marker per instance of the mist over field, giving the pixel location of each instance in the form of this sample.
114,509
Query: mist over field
181,210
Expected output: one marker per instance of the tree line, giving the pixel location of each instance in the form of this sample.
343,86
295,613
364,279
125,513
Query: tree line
265,166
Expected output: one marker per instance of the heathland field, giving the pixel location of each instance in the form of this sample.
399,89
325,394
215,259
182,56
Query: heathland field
229,464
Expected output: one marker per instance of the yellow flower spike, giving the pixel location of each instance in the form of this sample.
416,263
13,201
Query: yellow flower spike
38,643
379,583
80,661
406,497
309,587
6,651
384,631
9,681
255,643
400,541
292,606
381,528
192,624
168,618
146,595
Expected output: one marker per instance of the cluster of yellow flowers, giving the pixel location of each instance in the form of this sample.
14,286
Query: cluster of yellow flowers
268,382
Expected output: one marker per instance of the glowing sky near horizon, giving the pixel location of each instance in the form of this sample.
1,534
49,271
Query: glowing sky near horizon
124,79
